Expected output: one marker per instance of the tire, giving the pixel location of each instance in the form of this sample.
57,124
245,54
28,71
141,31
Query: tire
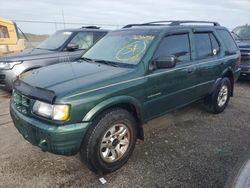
101,144
218,100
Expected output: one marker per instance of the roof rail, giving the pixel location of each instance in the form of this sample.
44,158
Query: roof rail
171,23
91,27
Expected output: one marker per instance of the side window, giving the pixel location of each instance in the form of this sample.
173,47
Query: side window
177,45
83,39
202,45
228,40
4,32
215,44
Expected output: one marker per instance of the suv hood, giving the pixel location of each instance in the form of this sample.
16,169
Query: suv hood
244,44
69,77
29,54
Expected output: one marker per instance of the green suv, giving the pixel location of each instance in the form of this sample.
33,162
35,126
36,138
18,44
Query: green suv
96,106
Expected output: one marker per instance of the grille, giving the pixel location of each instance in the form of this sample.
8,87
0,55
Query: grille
245,69
245,55
2,82
2,79
21,102
2,76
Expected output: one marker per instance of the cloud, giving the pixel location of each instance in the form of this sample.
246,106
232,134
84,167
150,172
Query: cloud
228,12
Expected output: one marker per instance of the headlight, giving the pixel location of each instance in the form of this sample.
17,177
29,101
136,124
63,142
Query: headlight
9,65
55,112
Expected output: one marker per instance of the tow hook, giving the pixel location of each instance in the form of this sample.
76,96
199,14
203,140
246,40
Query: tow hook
43,145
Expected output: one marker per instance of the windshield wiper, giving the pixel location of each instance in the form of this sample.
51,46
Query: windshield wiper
114,64
87,59
44,49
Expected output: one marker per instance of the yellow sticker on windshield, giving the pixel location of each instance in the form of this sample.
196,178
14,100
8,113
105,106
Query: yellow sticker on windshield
134,49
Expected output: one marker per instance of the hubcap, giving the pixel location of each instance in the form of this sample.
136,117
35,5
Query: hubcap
223,95
115,143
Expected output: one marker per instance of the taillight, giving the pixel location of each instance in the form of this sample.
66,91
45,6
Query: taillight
239,59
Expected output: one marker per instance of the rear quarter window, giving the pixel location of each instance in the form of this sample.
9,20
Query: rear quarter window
228,40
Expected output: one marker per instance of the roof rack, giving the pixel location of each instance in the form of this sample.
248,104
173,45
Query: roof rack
91,27
171,23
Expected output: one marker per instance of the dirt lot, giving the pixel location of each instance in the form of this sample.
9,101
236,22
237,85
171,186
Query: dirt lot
187,148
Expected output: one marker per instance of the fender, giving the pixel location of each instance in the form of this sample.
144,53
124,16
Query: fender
216,83
230,73
112,102
226,71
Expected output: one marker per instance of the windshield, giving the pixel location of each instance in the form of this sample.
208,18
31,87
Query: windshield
242,33
55,41
121,46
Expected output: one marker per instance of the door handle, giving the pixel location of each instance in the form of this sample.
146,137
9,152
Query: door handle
190,70
222,64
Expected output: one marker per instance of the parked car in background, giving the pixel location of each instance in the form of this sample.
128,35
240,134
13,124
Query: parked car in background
98,104
63,46
240,175
242,37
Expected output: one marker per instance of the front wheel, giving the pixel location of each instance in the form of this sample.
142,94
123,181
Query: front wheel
110,141
219,99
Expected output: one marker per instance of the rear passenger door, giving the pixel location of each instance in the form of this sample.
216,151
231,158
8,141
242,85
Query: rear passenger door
171,88
207,58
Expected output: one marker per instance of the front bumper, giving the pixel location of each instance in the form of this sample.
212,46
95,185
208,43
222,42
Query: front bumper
63,139
245,69
7,77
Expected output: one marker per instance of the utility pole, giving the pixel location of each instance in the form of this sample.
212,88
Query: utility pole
55,24
63,19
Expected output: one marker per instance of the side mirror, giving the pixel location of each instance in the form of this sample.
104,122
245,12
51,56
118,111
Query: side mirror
72,47
164,62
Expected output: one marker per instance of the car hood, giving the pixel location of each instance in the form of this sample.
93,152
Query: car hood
29,54
68,77
244,44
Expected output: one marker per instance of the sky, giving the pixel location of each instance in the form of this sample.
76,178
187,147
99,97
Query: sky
113,14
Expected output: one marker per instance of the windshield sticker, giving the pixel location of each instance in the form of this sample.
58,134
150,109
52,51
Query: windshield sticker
132,51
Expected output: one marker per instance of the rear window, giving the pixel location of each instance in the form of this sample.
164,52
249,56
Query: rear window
206,45
228,41
203,45
214,42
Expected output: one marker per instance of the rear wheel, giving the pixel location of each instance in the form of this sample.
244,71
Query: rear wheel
110,141
219,99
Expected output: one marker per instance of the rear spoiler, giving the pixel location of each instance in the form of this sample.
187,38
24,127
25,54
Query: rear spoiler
34,92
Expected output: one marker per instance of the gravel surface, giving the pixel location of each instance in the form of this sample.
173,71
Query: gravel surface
186,148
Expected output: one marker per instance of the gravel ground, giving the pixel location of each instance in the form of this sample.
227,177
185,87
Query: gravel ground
186,148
